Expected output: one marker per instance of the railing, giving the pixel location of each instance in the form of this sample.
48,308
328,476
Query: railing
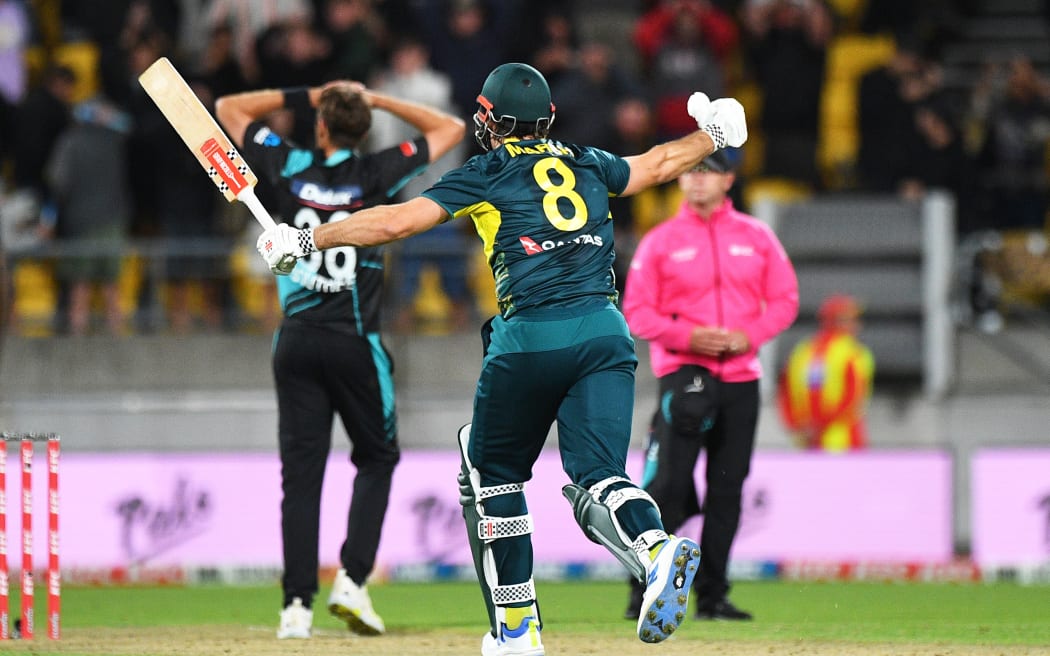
224,277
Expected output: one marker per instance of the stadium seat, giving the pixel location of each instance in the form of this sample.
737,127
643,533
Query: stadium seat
431,303
849,12
254,289
83,58
781,190
130,283
852,55
654,205
482,285
35,297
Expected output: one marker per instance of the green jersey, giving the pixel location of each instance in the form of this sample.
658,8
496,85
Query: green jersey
541,209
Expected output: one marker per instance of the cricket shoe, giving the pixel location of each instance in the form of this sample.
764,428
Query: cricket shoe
666,597
351,603
723,609
296,621
521,641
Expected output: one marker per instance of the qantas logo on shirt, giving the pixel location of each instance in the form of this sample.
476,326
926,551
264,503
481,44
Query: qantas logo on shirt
532,248
408,148
741,249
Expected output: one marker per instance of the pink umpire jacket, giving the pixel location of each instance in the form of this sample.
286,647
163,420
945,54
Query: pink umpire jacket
729,271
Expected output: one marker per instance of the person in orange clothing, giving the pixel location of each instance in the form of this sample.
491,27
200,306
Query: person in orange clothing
824,389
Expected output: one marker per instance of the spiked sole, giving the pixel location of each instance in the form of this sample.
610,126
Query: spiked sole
353,621
667,611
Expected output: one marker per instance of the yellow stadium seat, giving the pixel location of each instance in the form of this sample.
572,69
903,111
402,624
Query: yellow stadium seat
654,205
82,57
35,297
850,12
130,282
852,55
781,190
839,134
431,304
254,290
482,284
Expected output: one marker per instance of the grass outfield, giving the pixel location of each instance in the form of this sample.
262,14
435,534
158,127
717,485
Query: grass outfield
580,618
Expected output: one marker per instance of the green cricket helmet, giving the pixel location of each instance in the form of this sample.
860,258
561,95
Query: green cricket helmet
513,95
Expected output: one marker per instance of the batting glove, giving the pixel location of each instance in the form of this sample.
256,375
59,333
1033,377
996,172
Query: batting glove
723,119
282,247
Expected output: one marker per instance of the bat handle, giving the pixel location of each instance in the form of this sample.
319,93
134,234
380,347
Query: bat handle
248,197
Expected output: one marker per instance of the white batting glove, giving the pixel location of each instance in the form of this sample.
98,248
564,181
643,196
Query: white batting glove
699,107
723,119
282,247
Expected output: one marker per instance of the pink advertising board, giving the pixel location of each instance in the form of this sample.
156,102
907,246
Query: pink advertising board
1011,506
222,510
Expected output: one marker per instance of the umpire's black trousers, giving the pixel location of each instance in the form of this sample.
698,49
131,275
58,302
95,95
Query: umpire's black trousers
697,411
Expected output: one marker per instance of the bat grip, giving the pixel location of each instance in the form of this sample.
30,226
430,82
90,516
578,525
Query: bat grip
248,197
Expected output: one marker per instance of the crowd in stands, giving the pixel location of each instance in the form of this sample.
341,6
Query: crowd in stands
86,155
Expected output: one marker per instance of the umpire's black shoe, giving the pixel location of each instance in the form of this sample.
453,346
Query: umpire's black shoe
721,610
634,603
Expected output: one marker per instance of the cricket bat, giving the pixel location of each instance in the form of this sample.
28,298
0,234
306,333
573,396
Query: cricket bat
203,136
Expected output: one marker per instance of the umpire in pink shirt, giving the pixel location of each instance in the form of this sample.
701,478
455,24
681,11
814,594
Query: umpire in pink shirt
707,288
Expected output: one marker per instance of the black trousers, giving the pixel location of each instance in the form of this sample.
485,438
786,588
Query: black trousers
319,372
696,412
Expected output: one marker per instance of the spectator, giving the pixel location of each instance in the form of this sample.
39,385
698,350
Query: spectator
249,21
40,118
589,94
291,52
14,36
356,33
115,28
633,133
656,26
186,210
824,389
938,159
150,135
446,247
787,47
553,51
887,99
935,22
707,288
88,174
467,39
1012,158
684,45
217,65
